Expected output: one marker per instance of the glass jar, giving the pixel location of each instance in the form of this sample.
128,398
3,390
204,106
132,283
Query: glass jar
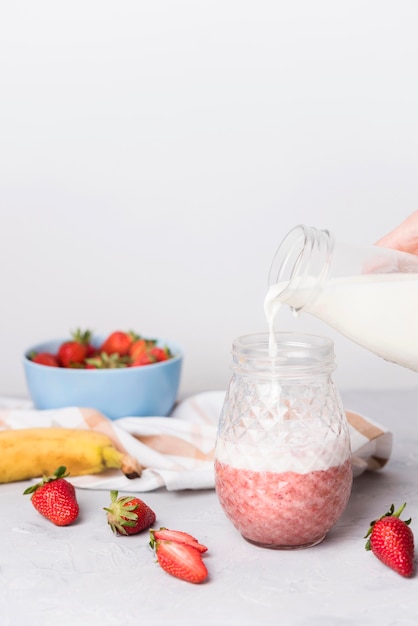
369,294
283,471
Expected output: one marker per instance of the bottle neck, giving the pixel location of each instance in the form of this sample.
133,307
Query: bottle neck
301,265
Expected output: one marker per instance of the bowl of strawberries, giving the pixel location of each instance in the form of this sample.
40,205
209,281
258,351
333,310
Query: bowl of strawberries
121,374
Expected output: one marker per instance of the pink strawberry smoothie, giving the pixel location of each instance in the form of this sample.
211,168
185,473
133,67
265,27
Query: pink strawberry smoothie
283,509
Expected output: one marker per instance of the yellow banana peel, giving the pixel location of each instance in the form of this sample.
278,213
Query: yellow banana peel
32,452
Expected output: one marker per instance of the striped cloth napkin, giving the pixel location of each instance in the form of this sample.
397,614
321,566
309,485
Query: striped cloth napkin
177,451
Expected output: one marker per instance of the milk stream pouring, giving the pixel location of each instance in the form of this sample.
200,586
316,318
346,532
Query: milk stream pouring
370,295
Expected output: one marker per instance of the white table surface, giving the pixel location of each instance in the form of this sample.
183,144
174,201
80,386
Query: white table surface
82,575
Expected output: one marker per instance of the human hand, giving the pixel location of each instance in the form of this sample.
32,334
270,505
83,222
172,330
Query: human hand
404,237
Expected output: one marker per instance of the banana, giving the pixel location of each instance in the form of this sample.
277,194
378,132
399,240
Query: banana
32,452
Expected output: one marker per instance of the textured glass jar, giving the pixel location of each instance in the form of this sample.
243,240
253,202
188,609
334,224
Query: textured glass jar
282,459
369,294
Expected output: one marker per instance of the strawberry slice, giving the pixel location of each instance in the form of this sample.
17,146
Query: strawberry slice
181,560
179,536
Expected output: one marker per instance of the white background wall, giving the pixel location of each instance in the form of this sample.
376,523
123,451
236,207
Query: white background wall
153,155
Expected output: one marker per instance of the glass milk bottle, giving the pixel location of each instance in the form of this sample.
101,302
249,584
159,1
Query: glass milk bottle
368,294
282,458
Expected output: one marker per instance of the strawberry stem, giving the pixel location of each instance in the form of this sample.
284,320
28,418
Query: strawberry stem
399,511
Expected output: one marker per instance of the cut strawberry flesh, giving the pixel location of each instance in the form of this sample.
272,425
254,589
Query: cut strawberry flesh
181,560
179,536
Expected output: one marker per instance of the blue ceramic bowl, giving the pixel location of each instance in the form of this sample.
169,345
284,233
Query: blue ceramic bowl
148,390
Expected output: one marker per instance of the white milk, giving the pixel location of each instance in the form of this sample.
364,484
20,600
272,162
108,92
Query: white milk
377,311
332,451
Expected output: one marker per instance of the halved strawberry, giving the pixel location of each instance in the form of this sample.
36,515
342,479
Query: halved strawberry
165,534
181,560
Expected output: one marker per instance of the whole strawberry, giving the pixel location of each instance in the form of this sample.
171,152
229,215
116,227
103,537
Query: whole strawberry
391,540
55,498
128,515
72,353
118,342
44,358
